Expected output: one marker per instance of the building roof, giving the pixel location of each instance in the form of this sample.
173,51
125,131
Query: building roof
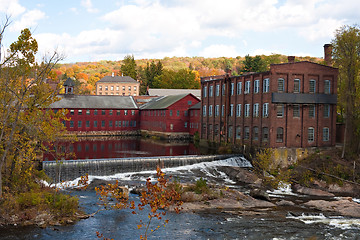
117,79
167,92
163,102
69,82
196,106
95,102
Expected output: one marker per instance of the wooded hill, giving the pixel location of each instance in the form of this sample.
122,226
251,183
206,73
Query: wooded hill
166,72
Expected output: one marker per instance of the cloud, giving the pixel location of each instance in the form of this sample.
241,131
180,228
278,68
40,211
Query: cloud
88,6
11,7
219,50
27,20
324,28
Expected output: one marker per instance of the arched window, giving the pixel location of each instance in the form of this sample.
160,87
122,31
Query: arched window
279,134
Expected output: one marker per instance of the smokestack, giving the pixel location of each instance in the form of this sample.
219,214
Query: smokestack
291,59
328,54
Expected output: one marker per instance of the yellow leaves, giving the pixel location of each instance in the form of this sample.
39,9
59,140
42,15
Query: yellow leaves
139,226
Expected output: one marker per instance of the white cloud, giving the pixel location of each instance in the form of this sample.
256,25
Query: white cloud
28,19
88,6
11,7
219,50
324,28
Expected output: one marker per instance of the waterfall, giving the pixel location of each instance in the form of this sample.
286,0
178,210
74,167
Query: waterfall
70,169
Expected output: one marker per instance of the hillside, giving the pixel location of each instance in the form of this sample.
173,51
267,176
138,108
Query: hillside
88,73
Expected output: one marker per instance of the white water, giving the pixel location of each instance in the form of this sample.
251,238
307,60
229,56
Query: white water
204,167
334,221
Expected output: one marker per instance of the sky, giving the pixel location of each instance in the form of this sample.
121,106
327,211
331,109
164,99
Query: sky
94,30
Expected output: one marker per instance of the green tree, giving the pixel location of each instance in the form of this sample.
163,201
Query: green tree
128,67
346,55
253,64
25,119
182,79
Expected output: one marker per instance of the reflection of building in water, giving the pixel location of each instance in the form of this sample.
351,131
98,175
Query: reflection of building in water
119,148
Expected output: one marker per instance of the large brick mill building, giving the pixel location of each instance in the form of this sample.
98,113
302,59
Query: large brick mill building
291,105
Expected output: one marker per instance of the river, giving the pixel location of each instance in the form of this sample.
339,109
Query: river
280,223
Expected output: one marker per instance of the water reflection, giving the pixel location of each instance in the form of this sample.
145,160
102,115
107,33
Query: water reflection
94,148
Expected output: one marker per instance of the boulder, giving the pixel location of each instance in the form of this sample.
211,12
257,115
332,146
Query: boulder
285,203
259,194
343,206
241,175
311,191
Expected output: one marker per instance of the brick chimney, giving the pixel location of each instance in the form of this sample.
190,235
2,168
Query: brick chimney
291,59
328,54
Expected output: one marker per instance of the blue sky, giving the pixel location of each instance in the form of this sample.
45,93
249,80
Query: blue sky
93,30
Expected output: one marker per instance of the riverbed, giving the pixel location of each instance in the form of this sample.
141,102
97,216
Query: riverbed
292,222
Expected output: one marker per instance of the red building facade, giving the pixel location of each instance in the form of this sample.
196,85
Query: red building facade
292,105
168,114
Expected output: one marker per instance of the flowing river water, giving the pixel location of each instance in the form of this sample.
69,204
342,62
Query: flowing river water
281,223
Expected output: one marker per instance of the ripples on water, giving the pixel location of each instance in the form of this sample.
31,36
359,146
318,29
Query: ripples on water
121,224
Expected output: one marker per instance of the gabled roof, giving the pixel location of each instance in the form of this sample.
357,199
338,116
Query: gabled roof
167,92
117,79
164,102
95,102
69,82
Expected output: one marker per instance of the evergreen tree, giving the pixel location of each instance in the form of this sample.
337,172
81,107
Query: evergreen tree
128,67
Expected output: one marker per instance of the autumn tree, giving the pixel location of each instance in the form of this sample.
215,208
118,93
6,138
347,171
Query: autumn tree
182,79
128,67
253,64
346,55
25,119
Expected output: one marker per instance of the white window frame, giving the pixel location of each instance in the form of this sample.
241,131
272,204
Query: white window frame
311,134
238,110
312,86
210,110
247,87
256,110
217,90
327,86
265,110
326,134
216,110
204,111
266,85
232,88
256,86
239,88
231,110
247,110
211,88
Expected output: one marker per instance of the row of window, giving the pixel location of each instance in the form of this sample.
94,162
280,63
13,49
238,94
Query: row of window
103,112
117,93
265,133
265,110
101,123
265,89
115,87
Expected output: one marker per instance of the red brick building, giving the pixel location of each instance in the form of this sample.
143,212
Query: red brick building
90,114
168,115
194,113
291,105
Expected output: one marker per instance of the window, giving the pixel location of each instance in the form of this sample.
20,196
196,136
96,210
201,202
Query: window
256,86
87,124
279,134
112,88
311,134
118,112
280,110
231,110
117,88
204,91
265,110
170,113
256,110
88,112
216,130
204,111
189,102
265,134
135,88
296,85
327,87
79,124
312,86
178,113
110,112
185,125
216,110
210,110
326,110
230,131
100,87
95,124
247,110
239,88
110,123
125,112
223,89
222,110
232,89
296,110
72,112
266,85
217,90
255,133
238,132
102,112
129,88
133,112
71,124
326,134
123,88
103,123
106,88
238,110
246,133
95,112
312,111
211,89
247,87
281,85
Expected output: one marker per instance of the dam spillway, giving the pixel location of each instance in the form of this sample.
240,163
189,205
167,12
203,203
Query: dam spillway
70,169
